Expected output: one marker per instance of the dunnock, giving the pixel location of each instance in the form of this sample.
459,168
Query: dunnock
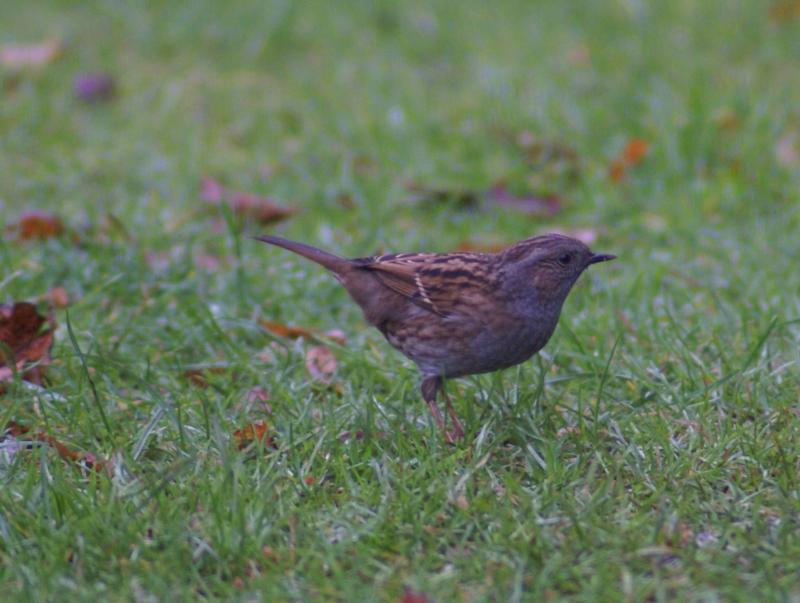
457,314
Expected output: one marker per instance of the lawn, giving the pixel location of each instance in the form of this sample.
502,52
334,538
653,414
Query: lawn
179,450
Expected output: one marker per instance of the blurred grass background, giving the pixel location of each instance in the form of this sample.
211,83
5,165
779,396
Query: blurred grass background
658,459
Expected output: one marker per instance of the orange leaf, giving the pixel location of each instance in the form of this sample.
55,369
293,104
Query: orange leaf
321,363
33,55
254,432
37,224
282,330
635,151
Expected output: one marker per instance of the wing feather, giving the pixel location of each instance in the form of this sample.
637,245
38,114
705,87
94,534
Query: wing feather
441,283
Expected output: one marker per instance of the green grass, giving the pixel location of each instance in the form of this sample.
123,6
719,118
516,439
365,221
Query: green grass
650,453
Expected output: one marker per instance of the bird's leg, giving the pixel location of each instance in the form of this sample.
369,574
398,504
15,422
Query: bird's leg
430,387
458,431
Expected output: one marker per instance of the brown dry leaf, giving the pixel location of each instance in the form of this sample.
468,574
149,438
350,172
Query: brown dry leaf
321,363
529,204
726,119
635,151
87,459
246,205
15,56
199,376
254,432
413,596
786,150
282,330
21,331
36,224
785,11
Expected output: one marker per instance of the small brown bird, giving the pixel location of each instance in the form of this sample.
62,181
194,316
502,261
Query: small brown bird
457,314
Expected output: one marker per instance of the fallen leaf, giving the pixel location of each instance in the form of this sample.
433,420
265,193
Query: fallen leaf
16,56
786,150
246,205
413,596
87,460
94,87
282,330
199,376
321,363
291,332
37,224
254,432
530,204
65,452
21,332
633,153
726,119
785,11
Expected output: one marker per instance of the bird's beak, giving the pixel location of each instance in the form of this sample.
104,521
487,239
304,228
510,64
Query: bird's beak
601,257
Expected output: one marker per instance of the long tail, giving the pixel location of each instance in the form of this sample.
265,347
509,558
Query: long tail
334,263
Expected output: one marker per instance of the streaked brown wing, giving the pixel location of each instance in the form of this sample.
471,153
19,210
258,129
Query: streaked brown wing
440,283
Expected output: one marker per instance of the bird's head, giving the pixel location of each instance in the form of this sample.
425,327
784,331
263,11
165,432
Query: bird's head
550,264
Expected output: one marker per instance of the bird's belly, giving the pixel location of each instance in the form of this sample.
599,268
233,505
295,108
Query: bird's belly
453,348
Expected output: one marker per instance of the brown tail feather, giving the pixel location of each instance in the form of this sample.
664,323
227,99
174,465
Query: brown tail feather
334,263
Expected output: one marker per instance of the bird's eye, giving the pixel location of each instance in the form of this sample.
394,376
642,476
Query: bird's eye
565,259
